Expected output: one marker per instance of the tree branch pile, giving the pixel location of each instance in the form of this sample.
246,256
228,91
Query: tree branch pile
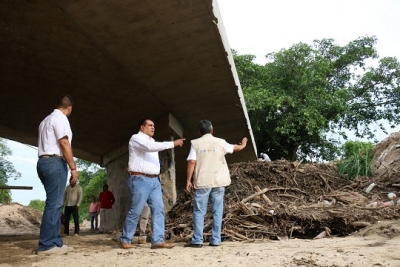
282,199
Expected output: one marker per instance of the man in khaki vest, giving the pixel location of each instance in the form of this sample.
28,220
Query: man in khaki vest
209,170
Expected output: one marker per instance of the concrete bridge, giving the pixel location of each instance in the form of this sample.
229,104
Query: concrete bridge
121,61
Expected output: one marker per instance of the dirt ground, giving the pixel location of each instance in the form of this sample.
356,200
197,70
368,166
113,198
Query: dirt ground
376,245
276,213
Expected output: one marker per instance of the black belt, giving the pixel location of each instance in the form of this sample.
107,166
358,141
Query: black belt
51,156
143,174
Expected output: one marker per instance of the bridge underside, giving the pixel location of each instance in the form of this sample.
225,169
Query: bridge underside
121,61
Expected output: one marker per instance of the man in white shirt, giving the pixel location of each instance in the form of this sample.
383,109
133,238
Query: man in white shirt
209,170
55,155
265,157
72,200
144,184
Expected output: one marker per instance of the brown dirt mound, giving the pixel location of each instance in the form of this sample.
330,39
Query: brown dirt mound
16,219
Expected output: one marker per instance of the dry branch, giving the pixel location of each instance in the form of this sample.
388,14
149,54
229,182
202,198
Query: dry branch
254,195
235,234
360,224
264,197
325,182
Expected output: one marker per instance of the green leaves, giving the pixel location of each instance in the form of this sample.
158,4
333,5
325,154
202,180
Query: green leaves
306,91
7,171
37,204
92,178
356,161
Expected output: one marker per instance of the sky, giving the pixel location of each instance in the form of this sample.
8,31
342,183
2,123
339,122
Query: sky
259,27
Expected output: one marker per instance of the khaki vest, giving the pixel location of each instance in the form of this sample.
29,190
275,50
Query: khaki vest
211,169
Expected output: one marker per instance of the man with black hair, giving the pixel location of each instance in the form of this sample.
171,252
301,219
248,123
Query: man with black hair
55,155
264,156
73,196
145,186
208,168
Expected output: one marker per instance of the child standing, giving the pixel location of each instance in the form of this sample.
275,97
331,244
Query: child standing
94,210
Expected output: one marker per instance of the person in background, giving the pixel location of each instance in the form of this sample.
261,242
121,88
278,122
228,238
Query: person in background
55,155
143,221
94,210
107,200
208,168
72,199
264,157
145,186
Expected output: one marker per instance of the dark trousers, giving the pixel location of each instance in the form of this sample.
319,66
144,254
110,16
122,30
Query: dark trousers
68,211
94,219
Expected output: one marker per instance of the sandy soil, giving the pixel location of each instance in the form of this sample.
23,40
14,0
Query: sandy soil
376,245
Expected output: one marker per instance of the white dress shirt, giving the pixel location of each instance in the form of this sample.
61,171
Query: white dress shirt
143,153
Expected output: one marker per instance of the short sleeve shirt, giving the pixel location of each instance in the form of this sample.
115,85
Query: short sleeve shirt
51,130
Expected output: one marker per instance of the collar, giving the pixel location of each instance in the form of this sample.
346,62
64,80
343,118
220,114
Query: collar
145,135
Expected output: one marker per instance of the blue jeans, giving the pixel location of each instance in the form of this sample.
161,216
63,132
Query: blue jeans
67,212
144,189
94,218
200,202
53,173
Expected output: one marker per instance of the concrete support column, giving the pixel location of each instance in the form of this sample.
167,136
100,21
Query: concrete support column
117,176
168,177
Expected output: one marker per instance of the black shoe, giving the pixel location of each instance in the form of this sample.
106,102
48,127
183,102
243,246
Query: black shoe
190,245
213,245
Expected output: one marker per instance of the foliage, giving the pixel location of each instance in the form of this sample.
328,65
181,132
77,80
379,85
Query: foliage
307,91
92,178
357,160
37,204
7,171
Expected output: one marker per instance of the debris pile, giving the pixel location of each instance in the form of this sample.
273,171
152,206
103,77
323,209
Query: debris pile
282,199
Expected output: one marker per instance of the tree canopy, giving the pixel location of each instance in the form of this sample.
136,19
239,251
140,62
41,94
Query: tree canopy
307,91
92,178
7,171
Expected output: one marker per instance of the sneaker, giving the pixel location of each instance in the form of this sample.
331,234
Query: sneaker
76,234
213,245
142,240
54,251
67,248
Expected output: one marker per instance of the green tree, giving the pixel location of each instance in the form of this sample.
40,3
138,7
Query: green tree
307,91
7,171
37,204
92,178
